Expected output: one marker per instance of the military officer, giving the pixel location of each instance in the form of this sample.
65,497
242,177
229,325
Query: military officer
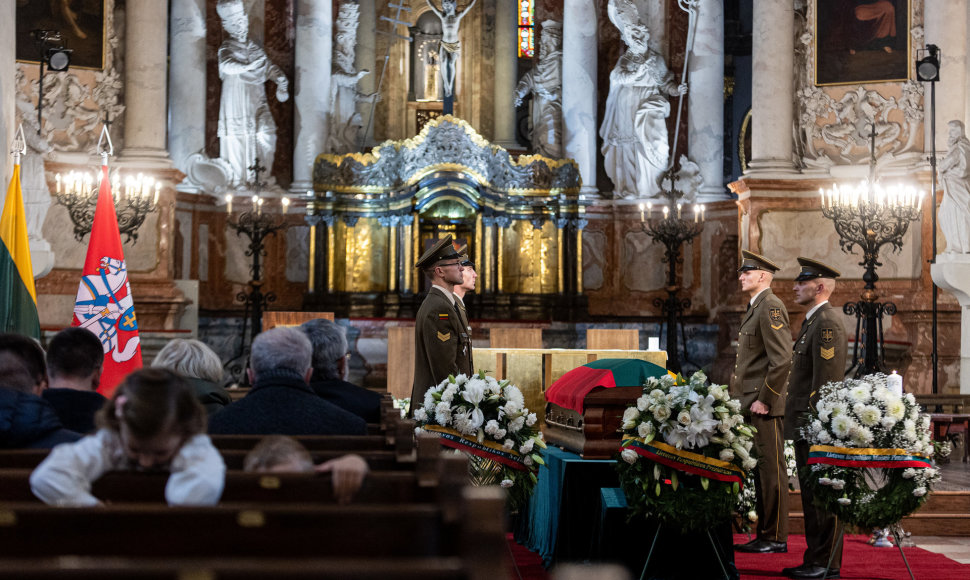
818,358
442,342
760,380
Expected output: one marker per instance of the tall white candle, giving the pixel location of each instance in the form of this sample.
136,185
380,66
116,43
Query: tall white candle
895,384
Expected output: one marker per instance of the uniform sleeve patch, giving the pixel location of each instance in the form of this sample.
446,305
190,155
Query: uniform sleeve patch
827,353
443,316
827,335
444,336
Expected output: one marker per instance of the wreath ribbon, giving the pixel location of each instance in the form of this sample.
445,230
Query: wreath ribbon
487,449
865,457
687,461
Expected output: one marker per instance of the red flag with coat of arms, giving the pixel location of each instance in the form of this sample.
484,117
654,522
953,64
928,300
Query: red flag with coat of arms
104,304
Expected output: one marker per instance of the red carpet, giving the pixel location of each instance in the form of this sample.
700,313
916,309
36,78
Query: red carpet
526,565
859,561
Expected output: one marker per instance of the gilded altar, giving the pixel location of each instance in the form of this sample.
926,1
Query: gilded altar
372,213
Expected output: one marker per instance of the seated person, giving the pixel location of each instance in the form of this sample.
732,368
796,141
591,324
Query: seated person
152,422
282,454
26,420
200,367
330,367
281,401
74,360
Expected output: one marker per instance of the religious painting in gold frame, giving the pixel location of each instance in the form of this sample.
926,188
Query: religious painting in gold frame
862,41
81,23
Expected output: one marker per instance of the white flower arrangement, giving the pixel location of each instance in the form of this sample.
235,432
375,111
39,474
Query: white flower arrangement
703,426
864,414
489,419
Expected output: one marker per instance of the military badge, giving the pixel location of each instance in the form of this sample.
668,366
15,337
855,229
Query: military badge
442,316
827,335
777,322
444,336
827,353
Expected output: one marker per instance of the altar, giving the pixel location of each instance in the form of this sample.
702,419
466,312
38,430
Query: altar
372,214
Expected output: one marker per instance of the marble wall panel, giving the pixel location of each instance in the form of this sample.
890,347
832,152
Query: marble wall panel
141,256
594,259
298,254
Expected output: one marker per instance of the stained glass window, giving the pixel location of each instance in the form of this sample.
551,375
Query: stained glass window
527,45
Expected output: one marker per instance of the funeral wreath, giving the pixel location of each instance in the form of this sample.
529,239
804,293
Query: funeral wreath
685,452
486,419
870,460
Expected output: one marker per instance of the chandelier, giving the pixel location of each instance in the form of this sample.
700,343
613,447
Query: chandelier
134,198
869,216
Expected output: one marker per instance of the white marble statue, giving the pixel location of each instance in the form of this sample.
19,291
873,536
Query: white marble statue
634,129
33,182
449,49
246,127
544,81
955,207
345,121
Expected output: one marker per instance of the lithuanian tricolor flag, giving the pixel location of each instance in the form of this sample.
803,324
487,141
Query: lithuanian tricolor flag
18,298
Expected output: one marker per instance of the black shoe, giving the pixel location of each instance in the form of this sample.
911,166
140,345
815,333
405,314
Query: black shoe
762,547
810,571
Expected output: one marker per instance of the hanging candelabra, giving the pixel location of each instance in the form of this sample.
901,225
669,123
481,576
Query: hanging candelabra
134,196
870,216
257,226
672,230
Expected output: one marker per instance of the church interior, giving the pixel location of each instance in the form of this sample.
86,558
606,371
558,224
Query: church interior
604,162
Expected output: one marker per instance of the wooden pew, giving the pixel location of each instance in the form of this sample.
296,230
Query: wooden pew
311,442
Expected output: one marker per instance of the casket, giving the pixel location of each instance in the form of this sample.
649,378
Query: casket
584,408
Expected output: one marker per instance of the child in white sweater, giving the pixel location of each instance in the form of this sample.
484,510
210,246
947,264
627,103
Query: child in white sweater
152,421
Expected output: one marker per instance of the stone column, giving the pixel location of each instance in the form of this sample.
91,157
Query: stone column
366,59
146,51
773,57
8,78
311,93
506,73
705,128
579,87
186,87
946,27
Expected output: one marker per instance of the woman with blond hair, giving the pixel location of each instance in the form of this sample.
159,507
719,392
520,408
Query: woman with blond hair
200,366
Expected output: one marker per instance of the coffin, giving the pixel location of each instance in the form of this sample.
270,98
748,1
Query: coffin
584,408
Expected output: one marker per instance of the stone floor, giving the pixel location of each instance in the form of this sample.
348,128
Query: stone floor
956,476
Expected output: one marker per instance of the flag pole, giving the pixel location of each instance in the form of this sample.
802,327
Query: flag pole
19,147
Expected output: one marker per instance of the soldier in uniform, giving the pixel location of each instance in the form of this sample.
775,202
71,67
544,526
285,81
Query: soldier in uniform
818,358
760,381
442,340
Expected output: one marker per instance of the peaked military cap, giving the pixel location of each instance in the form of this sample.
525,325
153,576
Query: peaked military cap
812,269
752,261
466,261
442,250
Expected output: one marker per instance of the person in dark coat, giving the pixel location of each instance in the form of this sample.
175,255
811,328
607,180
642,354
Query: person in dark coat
331,362
74,361
26,420
442,343
201,368
281,401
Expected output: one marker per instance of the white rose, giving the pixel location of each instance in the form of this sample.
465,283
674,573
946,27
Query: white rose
629,455
661,414
726,455
506,483
645,429
749,463
643,402
684,417
630,417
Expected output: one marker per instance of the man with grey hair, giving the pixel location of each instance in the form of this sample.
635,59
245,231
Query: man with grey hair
281,400
331,363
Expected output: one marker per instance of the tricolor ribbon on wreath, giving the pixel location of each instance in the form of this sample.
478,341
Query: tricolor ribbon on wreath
865,457
686,461
487,449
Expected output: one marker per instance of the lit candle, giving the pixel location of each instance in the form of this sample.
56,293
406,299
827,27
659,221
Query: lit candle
697,213
57,178
703,209
259,206
641,213
666,211
650,209
286,204
678,210
228,203
895,384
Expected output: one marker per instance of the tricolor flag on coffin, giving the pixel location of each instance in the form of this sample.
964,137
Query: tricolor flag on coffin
18,297
104,304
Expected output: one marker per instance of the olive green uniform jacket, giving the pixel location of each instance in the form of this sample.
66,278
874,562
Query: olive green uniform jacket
817,358
764,355
442,345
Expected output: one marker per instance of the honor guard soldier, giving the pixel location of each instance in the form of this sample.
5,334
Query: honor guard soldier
442,340
818,358
760,381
